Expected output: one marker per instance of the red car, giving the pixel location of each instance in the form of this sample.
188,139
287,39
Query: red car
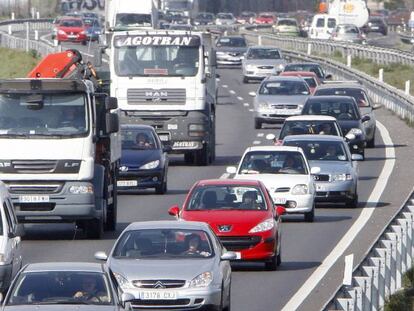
310,77
265,18
241,213
71,29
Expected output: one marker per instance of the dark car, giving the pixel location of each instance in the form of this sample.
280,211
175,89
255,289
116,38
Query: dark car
204,19
360,94
376,24
346,111
93,28
312,67
144,161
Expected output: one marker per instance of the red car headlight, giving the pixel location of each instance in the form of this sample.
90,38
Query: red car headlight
266,225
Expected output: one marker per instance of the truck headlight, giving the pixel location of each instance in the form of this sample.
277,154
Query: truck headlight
266,225
355,131
123,282
202,280
300,190
81,189
342,177
150,165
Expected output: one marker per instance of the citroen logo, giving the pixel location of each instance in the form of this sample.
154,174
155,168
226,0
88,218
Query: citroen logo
224,228
159,284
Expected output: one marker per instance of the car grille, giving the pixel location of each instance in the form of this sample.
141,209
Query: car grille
281,106
234,54
162,96
283,189
136,303
265,67
35,207
327,194
321,177
34,166
236,243
159,283
21,188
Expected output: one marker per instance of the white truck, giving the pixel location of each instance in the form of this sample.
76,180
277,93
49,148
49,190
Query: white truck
190,8
167,79
60,142
353,12
130,14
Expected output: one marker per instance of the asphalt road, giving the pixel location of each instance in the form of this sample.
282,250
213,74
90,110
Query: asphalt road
304,246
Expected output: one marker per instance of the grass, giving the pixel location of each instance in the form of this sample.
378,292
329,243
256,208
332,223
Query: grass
16,64
403,299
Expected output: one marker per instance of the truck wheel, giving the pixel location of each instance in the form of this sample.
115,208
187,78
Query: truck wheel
202,156
112,213
94,228
189,158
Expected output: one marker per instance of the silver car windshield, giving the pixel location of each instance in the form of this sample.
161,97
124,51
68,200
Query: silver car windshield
321,150
273,162
63,287
231,42
287,22
43,115
284,88
309,127
225,198
263,54
163,244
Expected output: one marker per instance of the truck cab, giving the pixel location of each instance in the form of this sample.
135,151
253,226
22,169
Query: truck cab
167,79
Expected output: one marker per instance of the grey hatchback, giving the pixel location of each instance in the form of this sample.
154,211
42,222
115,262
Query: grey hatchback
169,265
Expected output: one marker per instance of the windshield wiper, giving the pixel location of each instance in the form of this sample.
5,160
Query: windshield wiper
64,302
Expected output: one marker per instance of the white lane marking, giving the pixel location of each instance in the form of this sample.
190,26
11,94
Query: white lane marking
232,92
218,79
311,283
260,135
225,86
246,104
240,98
251,110
90,55
225,176
257,142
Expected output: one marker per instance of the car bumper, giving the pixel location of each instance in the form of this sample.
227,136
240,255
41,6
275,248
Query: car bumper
251,74
71,39
276,116
335,192
304,203
187,299
140,180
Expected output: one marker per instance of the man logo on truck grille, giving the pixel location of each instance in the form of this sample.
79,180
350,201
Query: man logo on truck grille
156,96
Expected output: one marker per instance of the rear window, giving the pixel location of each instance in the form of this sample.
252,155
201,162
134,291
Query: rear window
71,23
331,22
287,22
309,127
320,22
341,110
358,94
311,82
284,88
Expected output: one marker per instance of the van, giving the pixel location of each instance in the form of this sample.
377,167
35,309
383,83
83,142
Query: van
10,240
322,26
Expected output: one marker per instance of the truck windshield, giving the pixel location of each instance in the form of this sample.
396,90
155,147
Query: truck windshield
168,60
47,115
125,20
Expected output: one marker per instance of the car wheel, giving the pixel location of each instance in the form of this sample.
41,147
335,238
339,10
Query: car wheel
162,188
245,80
94,228
189,158
371,143
271,265
84,42
352,203
257,124
279,257
310,216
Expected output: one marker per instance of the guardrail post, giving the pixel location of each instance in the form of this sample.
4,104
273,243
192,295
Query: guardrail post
259,40
407,87
309,48
10,31
36,32
380,262
37,15
398,257
364,283
27,36
381,75
349,60
12,16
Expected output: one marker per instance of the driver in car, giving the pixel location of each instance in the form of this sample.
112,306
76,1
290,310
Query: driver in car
90,292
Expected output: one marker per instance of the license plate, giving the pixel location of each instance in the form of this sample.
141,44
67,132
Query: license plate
158,295
279,200
33,198
285,111
164,137
72,36
127,183
375,27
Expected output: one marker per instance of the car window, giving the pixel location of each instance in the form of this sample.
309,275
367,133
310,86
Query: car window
228,197
71,23
341,110
320,22
225,16
263,54
310,81
163,243
273,162
287,22
284,87
306,67
321,150
358,94
309,127
232,42
60,287
331,22
139,139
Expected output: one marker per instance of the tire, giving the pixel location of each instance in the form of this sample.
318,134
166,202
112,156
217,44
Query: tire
371,143
257,124
279,257
272,264
189,158
94,228
245,80
112,211
310,216
202,156
353,203
162,189
84,42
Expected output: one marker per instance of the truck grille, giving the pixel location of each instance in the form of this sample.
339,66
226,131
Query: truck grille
34,166
151,96
237,243
159,284
21,188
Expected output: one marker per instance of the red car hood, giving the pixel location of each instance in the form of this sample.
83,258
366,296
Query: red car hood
72,29
241,221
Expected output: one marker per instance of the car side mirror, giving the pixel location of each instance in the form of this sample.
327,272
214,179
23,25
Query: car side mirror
365,119
125,298
271,137
280,210
101,256
252,94
231,170
20,230
328,77
174,211
167,149
111,103
315,170
357,157
112,123
229,256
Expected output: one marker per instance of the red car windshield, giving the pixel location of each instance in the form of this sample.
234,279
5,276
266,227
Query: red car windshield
227,197
71,23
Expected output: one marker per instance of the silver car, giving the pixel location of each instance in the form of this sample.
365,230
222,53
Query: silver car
64,286
230,50
261,62
279,98
172,265
225,19
337,181
348,33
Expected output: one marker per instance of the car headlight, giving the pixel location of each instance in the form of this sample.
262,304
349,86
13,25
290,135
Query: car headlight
355,131
300,190
221,53
250,67
123,282
151,165
81,189
281,67
264,105
83,32
342,177
61,32
202,280
266,225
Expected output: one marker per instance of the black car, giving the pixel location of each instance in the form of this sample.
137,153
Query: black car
345,110
203,19
376,24
144,161
312,67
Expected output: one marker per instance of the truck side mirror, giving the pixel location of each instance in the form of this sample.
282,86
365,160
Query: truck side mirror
213,59
97,57
111,103
112,123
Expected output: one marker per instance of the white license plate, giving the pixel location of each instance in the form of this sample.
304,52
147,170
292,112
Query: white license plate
375,27
279,200
34,198
158,295
320,188
127,183
72,36
164,137
286,111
